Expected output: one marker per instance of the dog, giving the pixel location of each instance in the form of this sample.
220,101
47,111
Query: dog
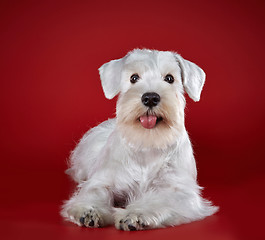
137,171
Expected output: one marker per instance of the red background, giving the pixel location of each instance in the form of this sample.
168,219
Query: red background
50,95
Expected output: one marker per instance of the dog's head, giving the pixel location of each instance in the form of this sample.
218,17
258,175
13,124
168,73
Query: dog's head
150,108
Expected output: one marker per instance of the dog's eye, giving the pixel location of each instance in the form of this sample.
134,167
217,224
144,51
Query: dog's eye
134,78
169,78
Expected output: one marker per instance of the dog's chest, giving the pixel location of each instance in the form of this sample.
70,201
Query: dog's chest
138,175
139,170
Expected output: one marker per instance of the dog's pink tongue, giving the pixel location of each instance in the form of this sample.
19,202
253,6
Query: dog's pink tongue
148,121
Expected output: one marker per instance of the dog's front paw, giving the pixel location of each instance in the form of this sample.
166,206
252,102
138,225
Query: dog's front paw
91,218
88,217
132,222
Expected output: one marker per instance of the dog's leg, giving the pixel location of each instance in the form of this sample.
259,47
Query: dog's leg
159,209
89,207
145,212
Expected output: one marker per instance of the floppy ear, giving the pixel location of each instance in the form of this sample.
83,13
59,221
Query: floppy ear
110,75
193,78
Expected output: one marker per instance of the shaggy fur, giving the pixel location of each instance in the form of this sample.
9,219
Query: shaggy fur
131,176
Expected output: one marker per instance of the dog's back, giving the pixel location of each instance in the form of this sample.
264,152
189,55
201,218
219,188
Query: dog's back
84,161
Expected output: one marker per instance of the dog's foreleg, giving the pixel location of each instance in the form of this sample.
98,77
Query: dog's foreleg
89,207
158,209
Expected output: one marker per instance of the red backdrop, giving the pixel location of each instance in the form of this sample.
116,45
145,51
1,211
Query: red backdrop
51,94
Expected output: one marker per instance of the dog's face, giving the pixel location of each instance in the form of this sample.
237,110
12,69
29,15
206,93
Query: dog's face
150,108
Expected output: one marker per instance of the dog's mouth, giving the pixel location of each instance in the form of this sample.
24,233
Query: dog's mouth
149,121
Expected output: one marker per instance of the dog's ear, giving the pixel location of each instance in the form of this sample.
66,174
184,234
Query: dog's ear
110,75
193,78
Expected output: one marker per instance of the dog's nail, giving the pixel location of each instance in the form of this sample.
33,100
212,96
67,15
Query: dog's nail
92,223
82,220
131,227
121,228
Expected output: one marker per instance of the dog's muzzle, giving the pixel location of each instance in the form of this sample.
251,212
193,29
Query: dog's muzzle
150,100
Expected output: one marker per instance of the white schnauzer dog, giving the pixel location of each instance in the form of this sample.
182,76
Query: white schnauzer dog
138,171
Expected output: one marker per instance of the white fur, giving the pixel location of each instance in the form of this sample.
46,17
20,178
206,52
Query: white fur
150,172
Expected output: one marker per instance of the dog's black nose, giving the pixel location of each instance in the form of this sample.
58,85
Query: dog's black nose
150,99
